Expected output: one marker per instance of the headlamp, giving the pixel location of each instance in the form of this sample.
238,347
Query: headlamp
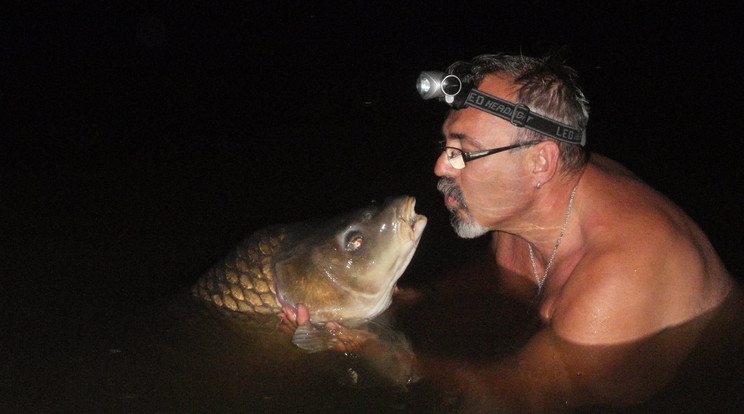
459,94
432,84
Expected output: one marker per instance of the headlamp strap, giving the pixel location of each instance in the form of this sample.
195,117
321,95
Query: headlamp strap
521,116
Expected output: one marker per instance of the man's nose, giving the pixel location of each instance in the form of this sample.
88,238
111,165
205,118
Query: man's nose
443,168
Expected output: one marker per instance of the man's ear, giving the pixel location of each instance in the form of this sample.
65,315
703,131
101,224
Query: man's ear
544,158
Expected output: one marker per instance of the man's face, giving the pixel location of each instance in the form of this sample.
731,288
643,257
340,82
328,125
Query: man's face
487,194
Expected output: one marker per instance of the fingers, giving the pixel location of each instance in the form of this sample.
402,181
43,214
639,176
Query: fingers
333,326
288,314
303,314
351,341
291,319
407,295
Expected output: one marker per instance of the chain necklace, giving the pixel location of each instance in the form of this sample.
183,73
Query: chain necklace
541,281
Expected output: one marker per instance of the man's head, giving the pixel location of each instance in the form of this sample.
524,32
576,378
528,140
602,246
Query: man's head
546,85
494,192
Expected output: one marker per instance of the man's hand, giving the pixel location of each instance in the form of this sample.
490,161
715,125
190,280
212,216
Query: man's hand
352,341
291,319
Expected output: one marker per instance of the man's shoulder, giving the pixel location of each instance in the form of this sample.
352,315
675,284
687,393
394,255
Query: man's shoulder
613,295
626,212
628,291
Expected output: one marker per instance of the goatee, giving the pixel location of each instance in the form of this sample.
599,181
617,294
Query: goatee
467,227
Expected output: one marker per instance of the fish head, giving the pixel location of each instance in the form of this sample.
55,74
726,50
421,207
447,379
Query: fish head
347,267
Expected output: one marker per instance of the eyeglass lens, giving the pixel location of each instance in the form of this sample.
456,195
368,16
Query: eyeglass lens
455,158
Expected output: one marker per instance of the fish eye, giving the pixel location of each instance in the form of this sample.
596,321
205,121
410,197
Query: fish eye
354,241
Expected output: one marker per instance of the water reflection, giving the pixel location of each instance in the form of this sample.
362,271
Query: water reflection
480,351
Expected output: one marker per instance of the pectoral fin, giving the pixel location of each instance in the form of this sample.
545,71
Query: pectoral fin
314,339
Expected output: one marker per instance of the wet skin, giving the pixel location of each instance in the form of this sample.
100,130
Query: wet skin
631,263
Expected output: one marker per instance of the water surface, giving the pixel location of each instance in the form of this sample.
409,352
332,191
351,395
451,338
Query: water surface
473,346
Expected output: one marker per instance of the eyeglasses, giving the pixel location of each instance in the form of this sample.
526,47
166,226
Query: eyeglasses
457,157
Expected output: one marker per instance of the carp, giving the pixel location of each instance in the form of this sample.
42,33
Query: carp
342,269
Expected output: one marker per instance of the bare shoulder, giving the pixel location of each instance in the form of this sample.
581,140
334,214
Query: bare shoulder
646,265
608,300
611,300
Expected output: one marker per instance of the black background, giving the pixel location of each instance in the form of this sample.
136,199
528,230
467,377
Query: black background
142,140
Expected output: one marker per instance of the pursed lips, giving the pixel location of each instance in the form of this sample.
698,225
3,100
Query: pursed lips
450,201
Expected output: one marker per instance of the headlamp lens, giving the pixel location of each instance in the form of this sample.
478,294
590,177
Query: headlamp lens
429,85
451,85
423,86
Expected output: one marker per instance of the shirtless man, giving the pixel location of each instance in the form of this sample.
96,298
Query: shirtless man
614,260
606,259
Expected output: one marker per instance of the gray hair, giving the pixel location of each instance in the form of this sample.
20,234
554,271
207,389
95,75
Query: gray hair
546,85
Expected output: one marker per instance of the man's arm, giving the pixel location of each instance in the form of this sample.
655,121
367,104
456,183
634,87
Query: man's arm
551,374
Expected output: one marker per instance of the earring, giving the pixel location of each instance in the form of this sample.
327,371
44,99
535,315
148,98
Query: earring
539,185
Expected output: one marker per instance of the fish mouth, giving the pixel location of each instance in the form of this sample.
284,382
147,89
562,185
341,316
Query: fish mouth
414,222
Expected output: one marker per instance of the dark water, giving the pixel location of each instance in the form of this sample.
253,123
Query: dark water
173,355
142,141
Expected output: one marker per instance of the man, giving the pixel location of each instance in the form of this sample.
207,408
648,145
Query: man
613,260
607,260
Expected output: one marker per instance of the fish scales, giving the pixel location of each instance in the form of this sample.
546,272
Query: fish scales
244,280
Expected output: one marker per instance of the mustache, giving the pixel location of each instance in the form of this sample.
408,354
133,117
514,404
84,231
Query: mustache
448,187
